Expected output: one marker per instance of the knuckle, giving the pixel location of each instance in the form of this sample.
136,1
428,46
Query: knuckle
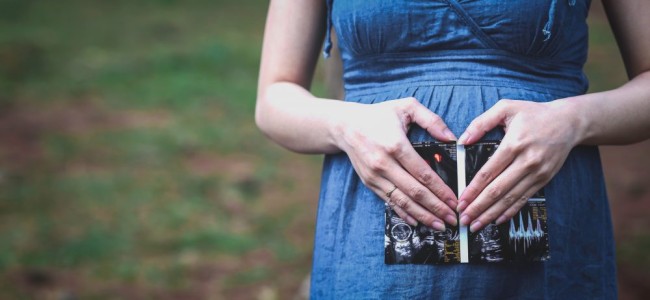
516,147
437,208
535,161
545,174
401,202
377,163
522,200
409,103
529,166
425,177
494,192
509,199
484,175
393,149
500,104
412,101
416,192
369,178
505,102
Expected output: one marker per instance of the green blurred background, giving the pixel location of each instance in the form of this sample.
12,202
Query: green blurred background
130,165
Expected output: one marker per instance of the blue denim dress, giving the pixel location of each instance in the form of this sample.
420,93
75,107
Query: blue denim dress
459,57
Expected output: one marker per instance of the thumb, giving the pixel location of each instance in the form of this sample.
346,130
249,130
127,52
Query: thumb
431,122
487,121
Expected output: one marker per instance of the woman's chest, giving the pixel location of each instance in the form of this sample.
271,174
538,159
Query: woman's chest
527,27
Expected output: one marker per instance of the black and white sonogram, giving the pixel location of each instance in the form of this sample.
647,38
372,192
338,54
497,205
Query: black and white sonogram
523,238
442,159
476,156
406,244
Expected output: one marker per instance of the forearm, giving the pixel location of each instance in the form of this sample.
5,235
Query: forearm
619,116
295,119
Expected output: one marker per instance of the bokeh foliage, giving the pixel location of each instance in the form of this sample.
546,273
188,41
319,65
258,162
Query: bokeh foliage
130,166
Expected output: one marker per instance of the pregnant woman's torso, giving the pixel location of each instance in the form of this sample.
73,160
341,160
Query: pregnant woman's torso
541,44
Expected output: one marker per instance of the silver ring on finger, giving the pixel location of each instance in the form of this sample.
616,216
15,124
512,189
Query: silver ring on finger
390,193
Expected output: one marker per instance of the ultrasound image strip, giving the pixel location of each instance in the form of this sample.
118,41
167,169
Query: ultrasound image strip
523,238
406,244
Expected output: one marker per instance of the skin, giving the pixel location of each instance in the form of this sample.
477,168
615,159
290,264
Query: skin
381,154
539,136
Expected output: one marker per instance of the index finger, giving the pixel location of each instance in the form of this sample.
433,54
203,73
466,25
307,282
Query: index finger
502,157
420,169
431,122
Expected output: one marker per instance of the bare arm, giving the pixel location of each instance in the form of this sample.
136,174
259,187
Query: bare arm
539,136
622,116
373,136
286,111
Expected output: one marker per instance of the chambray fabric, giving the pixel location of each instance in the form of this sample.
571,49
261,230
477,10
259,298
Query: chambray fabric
459,58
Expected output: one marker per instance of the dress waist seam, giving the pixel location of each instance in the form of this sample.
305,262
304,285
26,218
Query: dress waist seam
465,54
382,88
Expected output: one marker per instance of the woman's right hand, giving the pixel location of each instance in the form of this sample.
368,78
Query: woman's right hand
374,138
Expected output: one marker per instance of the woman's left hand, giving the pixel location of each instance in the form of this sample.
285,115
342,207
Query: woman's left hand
538,139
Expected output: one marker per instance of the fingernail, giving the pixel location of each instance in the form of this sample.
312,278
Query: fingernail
439,226
464,220
501,220
450,135
475,226
464,138
461,206
451,219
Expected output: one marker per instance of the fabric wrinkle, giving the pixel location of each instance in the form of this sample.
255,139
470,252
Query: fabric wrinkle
549,24
441,57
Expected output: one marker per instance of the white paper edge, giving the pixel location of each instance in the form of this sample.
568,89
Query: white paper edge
460,164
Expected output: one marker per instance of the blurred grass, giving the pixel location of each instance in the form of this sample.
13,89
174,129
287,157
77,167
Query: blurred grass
129,163
168,180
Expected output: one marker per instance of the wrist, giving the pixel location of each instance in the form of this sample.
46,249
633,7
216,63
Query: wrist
338,125
575,115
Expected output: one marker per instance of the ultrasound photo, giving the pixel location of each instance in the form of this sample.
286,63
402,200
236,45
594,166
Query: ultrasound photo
406,244
442,159
523,238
